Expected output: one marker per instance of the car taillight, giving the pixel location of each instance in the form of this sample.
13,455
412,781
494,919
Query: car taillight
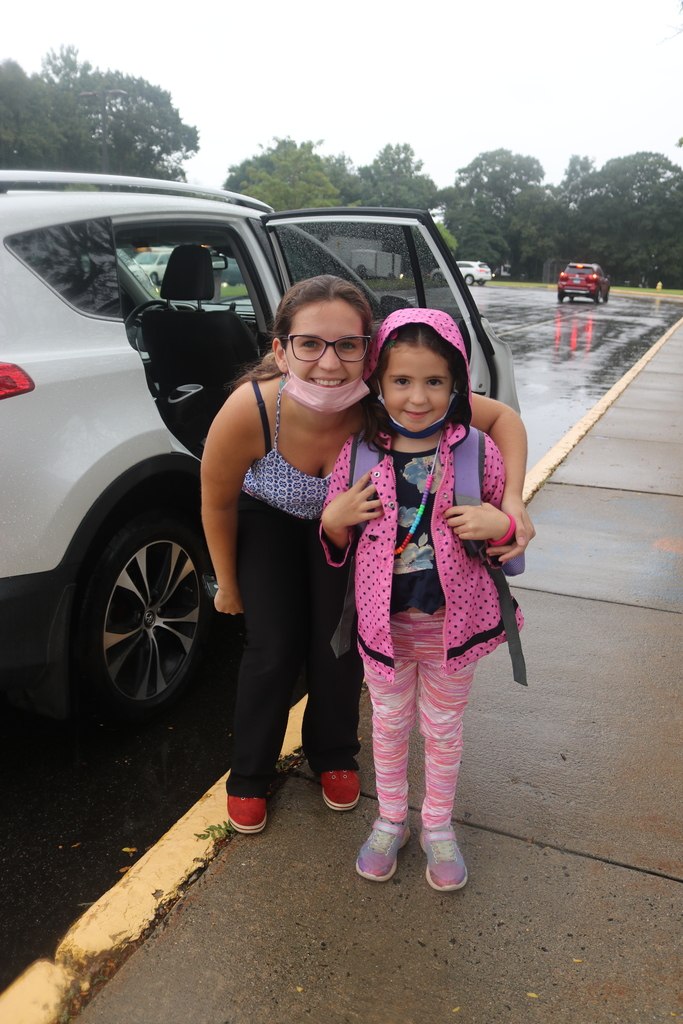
592,277
13,381
563,276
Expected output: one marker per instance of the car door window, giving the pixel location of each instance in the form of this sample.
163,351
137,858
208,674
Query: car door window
392,262
77,261
143,252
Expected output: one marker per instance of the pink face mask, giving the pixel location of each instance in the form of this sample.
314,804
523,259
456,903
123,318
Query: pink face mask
321,399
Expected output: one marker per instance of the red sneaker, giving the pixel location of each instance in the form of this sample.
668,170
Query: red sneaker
341,789
247,813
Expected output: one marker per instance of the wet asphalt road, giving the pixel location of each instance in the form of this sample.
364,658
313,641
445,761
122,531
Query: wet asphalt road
568,355
75,795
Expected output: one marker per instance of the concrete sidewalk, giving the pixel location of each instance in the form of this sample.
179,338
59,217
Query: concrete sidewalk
569,794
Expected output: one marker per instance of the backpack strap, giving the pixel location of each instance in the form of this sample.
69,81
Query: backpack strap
468,470
363,457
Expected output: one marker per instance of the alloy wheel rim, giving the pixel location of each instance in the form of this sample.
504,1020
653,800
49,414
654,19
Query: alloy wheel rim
151,620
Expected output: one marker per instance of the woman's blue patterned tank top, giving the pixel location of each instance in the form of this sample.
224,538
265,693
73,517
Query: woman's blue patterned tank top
273,480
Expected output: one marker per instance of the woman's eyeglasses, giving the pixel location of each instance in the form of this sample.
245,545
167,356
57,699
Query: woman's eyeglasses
308,348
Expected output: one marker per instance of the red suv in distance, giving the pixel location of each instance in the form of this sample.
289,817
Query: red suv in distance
584,279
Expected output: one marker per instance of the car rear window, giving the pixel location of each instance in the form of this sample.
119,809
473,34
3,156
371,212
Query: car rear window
77,261
578,270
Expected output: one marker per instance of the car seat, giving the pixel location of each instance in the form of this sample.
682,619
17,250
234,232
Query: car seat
193,347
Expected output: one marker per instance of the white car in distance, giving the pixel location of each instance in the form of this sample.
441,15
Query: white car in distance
475,271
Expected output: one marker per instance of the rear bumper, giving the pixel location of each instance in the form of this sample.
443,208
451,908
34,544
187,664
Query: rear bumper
35,615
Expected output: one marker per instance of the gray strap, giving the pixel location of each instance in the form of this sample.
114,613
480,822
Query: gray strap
507,613
341,641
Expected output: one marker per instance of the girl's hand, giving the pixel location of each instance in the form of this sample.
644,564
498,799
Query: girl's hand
228,600
357,505
524,532
477,522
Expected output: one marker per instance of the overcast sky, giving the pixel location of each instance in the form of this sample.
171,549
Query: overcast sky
601,78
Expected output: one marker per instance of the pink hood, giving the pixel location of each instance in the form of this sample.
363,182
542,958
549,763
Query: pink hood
442,323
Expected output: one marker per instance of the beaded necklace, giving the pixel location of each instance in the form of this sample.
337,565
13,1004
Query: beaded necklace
423,504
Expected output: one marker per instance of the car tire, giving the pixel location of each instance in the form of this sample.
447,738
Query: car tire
596,297
154,278
560,296
469,279
145,587
606,296
481,283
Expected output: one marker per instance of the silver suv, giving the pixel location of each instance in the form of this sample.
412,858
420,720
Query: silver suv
108,384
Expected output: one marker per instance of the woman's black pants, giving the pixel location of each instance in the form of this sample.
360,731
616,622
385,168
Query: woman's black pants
293,601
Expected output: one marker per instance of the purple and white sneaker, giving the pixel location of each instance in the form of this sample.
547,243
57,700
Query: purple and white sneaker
377,857
445,866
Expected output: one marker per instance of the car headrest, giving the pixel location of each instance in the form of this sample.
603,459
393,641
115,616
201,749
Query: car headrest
189,274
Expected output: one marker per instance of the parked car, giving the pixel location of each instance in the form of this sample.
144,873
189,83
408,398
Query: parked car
479,272
586,280
108,389
154,263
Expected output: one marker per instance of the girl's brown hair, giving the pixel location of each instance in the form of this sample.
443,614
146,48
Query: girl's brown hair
325,288
375,417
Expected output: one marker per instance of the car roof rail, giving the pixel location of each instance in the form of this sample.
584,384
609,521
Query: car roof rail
26,180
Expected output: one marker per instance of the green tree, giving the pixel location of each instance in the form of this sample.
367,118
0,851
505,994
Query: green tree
629,218
345,178
39,128
496,178
46,125
448,238
146,135
479,207
287,175
394,178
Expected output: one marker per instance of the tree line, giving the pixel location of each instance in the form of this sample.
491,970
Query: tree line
47,124
626,215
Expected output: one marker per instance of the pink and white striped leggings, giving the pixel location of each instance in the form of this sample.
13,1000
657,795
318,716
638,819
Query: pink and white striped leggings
420,682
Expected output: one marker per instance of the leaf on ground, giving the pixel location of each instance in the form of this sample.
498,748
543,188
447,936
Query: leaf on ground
532,995
129,849
299,989
74,845
123,870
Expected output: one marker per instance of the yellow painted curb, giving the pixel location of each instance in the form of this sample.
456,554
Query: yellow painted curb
38,996
123,915
539,473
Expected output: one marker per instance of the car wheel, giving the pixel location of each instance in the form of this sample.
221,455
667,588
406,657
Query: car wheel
154,278
560,296
481,283
362,272
596,297
437,277
606,296
469,279
144,618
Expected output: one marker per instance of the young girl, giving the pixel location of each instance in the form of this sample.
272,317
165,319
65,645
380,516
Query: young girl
426,609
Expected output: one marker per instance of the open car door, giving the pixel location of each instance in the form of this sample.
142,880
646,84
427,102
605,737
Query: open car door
398,259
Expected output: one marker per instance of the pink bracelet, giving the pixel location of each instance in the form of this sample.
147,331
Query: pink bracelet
508,536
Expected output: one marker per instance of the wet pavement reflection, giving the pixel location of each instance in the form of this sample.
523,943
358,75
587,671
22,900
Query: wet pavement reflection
75,795
567,356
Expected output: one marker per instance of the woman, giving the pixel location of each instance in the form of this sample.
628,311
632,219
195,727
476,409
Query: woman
261,504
